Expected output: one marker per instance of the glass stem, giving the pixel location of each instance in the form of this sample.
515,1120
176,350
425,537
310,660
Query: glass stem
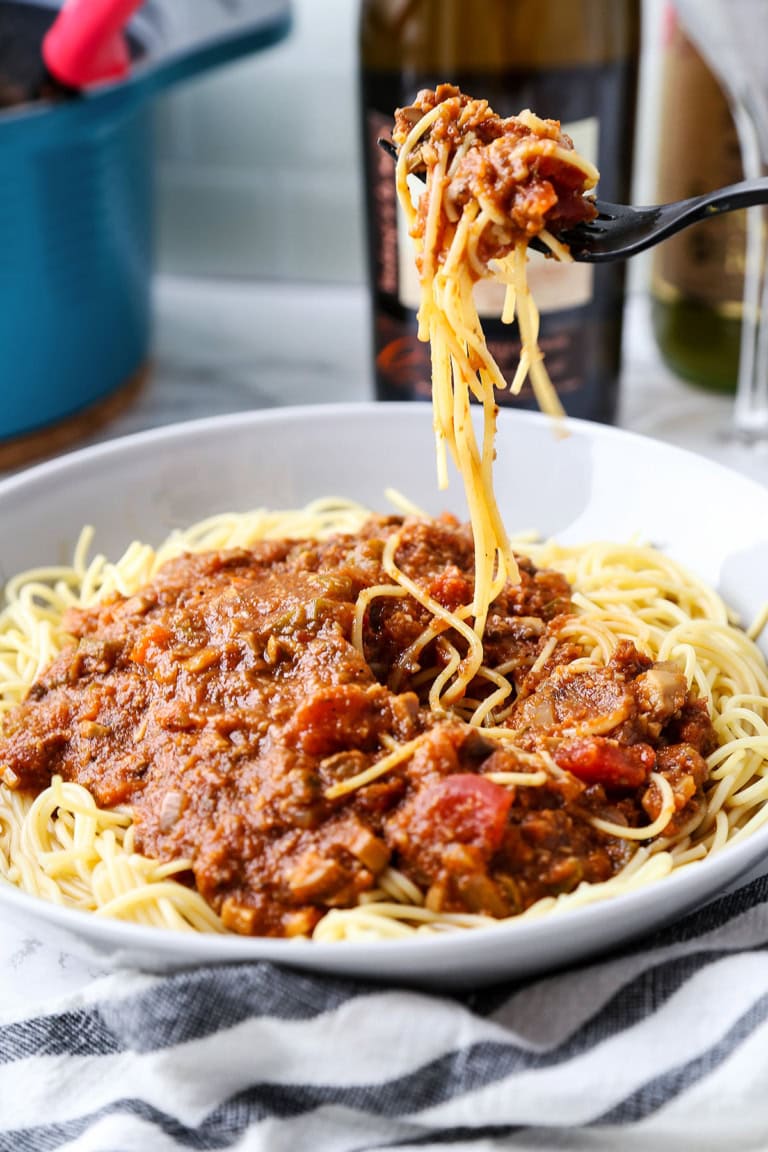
750,414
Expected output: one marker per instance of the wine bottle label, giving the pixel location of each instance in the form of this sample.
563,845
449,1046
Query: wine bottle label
403,369
580,305
557,288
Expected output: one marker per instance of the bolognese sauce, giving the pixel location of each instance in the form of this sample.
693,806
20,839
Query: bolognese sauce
522,170
228,701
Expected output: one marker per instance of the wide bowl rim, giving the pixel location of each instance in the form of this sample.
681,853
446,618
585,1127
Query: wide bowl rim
298,413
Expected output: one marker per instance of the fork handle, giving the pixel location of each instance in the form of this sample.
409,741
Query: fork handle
636,229
746,194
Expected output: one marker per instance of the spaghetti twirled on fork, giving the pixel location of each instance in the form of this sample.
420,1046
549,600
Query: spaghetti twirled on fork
492,185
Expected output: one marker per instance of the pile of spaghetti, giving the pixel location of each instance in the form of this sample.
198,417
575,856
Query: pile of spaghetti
265,726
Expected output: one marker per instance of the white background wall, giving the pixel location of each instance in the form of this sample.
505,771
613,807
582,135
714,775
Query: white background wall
258,171
258,164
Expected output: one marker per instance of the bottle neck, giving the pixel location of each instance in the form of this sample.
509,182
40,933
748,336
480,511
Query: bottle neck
439,36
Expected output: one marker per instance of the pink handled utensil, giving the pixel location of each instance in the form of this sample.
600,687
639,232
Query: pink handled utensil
85,45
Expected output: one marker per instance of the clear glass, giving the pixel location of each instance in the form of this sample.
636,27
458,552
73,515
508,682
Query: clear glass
732,36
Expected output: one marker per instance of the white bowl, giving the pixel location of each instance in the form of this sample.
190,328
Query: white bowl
596,483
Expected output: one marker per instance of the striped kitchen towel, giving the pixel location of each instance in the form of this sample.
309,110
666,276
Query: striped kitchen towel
660,1047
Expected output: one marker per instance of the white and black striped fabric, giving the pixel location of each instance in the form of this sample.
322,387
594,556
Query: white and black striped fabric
660,1047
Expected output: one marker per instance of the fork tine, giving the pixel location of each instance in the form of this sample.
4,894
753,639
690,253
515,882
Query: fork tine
387,146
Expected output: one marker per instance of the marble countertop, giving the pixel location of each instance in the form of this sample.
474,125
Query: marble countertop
227,347
230,346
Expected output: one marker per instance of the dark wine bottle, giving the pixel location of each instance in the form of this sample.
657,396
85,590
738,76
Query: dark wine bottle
697,280
571,60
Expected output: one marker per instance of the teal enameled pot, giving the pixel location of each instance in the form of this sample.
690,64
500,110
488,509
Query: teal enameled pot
76,232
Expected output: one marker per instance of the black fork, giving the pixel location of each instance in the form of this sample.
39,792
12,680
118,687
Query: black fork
620,231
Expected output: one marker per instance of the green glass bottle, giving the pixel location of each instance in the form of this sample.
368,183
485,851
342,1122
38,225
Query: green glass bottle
697,276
